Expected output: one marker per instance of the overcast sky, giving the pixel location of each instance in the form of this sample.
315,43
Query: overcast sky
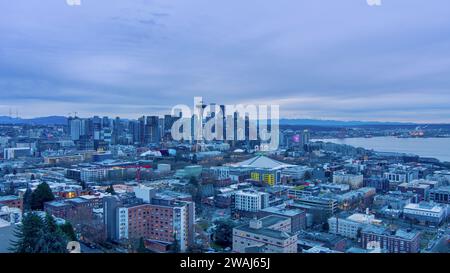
322,59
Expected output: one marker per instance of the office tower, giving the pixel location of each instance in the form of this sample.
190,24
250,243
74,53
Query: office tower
152,134
134,130
119,132
106,122
305,137
96,124
76,128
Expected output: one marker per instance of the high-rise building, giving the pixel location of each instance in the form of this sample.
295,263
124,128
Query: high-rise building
152,130
157,222
76,128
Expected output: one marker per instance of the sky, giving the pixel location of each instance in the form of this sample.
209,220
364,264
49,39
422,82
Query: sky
318,59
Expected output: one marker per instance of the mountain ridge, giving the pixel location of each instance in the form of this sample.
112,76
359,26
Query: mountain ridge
61,120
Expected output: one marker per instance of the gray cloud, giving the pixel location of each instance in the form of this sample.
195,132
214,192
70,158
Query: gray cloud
317,59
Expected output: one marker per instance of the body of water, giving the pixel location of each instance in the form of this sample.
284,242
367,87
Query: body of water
438,148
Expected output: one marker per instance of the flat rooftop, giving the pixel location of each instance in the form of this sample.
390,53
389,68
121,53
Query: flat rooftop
276,234
8,198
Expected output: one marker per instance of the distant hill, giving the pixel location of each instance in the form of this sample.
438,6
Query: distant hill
332,123
51,120
60,120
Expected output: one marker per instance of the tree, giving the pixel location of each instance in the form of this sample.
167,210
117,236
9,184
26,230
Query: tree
27,199
175,246
223,233
326,227
83,184
11,189
28,233
307,176
111,190
68,230
37,235
141,247
195,189
194,159
53,239
40,195
196,248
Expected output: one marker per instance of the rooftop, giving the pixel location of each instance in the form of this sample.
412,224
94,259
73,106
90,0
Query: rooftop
272,220
263,162
276,234
400,233
424,206
8,198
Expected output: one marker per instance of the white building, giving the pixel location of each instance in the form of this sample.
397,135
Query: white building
93,174
354,180
398,174
164,167
348,227
144,192
11,215
297,172
250,200
268,235
13,153
425,212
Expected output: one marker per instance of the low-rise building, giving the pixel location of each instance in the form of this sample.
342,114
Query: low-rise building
440,195
390,240
354,180
351,226
297,216
425,212
11,201
269,234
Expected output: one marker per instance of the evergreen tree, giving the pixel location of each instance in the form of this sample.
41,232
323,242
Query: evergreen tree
141,248
53,239
111,190
28,234
42,194
223,233
11,189
27,199
326,227
194,159
193,181
307,176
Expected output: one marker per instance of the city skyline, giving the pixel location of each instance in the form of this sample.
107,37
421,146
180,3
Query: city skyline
134,58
